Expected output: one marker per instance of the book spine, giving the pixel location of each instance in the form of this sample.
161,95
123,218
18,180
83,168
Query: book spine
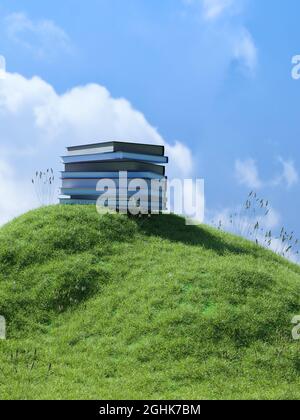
92,183
113,166
115,156
118,193
109,175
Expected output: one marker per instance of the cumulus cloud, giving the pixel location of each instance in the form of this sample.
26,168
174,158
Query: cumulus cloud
225,17
244,50
247,174
37,123
212,9
42,37
236,221
15,193
289,176
241,222
2,67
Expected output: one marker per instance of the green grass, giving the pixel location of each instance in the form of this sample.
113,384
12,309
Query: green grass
111,307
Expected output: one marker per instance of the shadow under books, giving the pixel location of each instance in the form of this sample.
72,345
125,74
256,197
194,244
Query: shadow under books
173,228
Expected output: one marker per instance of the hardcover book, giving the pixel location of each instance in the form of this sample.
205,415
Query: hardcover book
125,165
116,146
119,193
86,165
92,182
113,175
102,157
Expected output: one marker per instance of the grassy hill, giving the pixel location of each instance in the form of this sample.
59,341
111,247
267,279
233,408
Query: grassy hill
111,307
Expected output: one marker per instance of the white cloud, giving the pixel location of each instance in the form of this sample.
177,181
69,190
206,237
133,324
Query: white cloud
37,123
15,193
212,9
241,222
182,155
42,37
247,174
289,174
225,18
237,220
2,67
245,50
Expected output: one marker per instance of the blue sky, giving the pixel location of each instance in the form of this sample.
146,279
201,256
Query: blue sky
212,75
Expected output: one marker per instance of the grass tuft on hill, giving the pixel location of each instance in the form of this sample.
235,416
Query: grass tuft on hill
112,307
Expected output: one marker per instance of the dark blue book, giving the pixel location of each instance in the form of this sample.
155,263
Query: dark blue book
92,183
116,146
102,157
108,175
115,166
92,192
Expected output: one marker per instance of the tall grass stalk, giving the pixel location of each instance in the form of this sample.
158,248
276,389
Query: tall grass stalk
251,222
44,185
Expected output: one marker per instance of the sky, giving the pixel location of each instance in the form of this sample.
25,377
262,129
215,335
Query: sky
210,79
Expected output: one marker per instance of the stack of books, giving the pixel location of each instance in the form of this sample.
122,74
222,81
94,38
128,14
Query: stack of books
115,174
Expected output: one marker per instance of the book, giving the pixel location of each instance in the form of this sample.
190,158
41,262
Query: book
99,157
112,175
124,193
116,146
115,166
86,165
92,183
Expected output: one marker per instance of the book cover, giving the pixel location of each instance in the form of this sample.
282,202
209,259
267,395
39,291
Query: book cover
92,183
119,193
99,157
115,166
116,146
109,175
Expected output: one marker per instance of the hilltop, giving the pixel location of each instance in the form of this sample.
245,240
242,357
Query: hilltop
113,307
